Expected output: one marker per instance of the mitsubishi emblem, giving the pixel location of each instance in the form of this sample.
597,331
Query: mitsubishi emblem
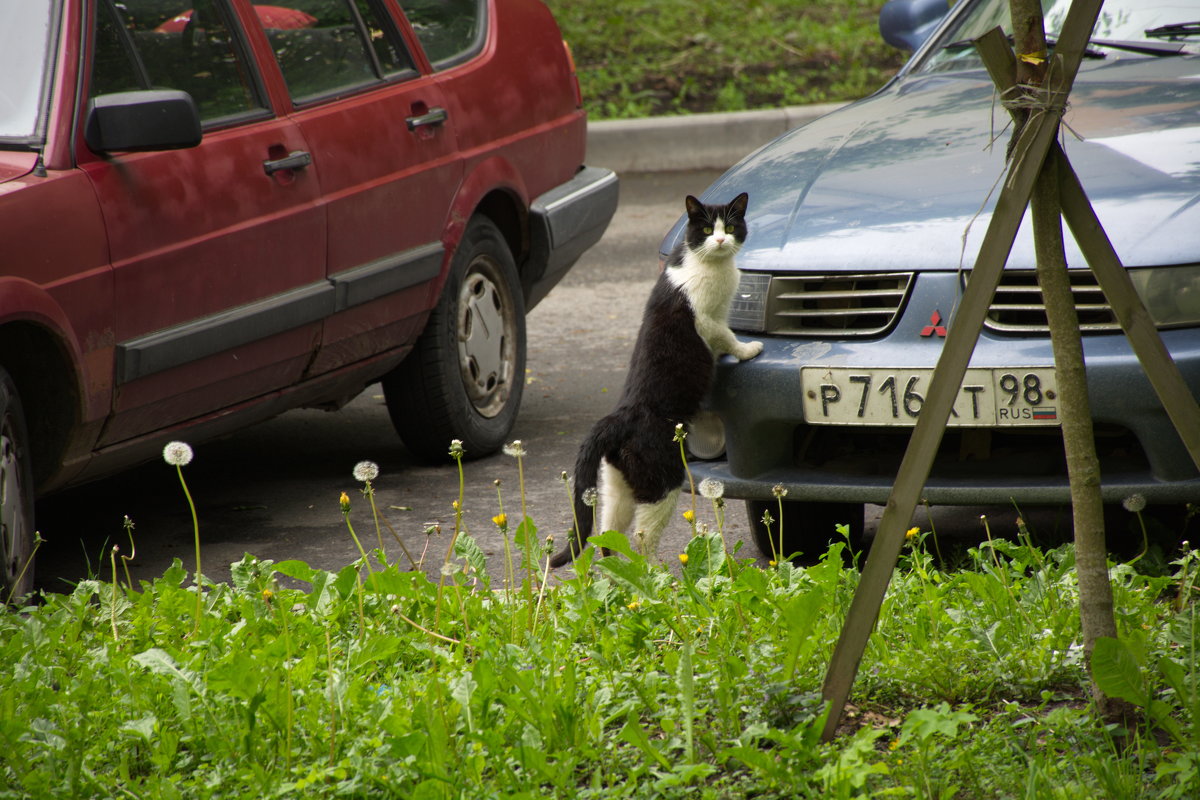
935,325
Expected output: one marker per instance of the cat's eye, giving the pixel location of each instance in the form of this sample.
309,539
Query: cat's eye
707,230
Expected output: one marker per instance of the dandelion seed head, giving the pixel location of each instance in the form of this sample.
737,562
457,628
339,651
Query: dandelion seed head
1134,503
779,490
365,471
177,454
515,448
712,489
590,496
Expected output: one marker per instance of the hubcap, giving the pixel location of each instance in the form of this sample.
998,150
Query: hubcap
12,512
486,337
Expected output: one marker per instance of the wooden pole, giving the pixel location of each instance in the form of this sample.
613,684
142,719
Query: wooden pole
1032,144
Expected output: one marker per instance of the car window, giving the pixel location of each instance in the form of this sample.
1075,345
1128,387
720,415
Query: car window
449,30
337,45
1131,21
165,44
26,41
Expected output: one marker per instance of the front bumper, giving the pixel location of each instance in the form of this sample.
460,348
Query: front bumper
768,442
564,223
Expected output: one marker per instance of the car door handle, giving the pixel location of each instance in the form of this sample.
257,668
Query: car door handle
434,116
297,159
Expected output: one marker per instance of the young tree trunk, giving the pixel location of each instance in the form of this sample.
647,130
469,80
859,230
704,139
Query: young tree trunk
1083,466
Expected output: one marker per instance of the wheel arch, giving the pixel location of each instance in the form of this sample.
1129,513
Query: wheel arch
41,366
495,189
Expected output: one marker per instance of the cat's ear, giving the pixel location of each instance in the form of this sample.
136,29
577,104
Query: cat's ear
738,204
694,207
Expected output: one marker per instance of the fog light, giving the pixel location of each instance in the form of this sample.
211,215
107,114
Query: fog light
705,436
1171,294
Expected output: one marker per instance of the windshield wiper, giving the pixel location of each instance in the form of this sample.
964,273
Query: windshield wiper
1173,30
967,44
1145,48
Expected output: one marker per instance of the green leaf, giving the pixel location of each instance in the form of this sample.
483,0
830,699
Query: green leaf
636,736
466,547
705,556
633,574
143,727
1116,671
616,541
295,569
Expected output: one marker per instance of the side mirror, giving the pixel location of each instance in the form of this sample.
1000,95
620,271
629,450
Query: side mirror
156,119
906,24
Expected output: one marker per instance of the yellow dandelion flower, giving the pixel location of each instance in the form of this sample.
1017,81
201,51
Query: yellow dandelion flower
773,563
344,502
689,515
911,533
501,520
634,605
683,558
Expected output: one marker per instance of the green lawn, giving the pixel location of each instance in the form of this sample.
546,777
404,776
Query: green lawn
644,57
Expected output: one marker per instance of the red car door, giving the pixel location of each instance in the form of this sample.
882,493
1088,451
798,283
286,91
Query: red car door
218,251
378,131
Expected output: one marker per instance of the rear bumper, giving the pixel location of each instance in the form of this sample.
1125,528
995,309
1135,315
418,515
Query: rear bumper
564,222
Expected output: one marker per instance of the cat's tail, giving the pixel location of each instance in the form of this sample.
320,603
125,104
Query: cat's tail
587,472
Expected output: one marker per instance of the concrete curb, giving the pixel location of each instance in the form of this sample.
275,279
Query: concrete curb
694,141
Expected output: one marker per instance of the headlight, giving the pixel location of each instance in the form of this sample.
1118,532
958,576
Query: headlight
1171,294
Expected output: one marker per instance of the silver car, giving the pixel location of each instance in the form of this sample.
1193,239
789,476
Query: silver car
863,229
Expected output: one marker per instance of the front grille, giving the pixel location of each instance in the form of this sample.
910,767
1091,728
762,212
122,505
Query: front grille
864,304
1017,306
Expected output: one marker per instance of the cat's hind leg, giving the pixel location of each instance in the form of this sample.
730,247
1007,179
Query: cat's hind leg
616,503
649,522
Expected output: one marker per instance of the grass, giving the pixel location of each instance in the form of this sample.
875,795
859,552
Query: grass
640,58
628,681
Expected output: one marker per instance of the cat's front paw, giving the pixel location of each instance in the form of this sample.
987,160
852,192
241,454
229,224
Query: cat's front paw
747,350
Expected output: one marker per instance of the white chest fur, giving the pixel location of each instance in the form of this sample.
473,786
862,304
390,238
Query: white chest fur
708,278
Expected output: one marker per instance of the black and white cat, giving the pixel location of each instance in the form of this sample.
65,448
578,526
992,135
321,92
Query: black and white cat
631,456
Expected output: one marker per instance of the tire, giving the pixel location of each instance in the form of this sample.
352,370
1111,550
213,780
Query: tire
16,496
464,378
808,528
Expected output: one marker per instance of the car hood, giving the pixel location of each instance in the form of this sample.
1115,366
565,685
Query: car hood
13,165
907,178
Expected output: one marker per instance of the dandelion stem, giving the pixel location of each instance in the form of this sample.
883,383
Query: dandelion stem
196,537
112,609
37,542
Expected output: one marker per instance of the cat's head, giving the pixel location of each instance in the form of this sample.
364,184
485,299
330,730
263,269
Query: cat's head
716,230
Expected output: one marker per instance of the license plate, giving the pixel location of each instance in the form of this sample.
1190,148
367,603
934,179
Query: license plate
989,397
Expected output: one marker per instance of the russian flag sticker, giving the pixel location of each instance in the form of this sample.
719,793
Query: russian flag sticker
1041,413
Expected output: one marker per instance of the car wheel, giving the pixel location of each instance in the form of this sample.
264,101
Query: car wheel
808,528
464,377
16,496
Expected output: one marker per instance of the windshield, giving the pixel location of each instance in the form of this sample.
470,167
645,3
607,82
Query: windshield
1125,29
26,58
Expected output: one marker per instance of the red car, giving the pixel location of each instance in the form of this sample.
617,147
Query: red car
213,211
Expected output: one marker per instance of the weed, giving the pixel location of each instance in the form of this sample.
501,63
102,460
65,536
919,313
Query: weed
623,681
